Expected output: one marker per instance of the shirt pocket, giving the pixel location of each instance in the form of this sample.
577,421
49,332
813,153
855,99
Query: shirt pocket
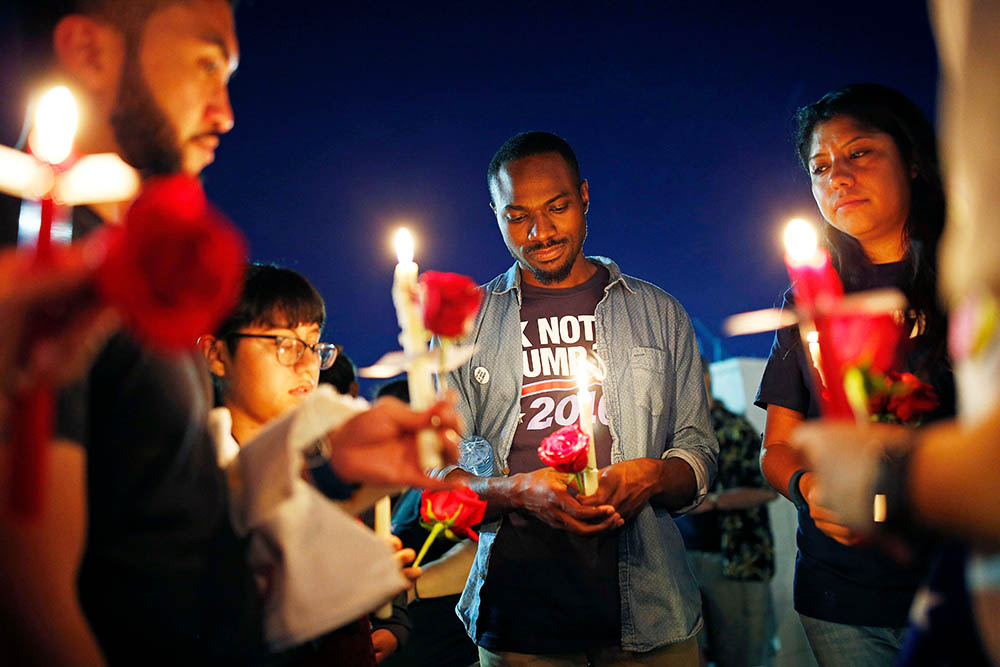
648,366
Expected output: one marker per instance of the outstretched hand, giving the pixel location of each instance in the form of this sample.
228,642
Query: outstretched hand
545,494
379,445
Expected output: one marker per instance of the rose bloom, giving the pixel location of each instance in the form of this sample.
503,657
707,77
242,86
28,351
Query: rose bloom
461,507
175,268
565,450
450,303
917,398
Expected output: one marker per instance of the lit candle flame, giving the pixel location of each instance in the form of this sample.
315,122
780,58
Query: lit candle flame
55,125
800,241
404,246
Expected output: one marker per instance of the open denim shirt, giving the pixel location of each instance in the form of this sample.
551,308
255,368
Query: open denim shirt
656,406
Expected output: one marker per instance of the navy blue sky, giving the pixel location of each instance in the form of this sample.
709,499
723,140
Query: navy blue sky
351,120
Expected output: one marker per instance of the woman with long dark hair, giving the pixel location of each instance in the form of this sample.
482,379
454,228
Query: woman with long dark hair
872,162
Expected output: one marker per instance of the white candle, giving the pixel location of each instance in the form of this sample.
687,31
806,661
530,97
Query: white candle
414,339
587,426
383,519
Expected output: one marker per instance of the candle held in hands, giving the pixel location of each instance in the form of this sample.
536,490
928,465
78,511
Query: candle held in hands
414,339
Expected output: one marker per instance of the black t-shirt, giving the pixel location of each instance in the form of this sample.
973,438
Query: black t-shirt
852,585
548,590
164,578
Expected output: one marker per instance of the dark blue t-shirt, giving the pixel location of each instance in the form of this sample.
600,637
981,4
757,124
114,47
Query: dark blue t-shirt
851,585
548,590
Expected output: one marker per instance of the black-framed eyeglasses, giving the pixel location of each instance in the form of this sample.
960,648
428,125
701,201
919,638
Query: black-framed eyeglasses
289,349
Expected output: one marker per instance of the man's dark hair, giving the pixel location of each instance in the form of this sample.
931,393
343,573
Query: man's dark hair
532,143
341,375
273,296
883,109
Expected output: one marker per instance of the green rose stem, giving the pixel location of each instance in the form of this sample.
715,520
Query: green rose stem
435,531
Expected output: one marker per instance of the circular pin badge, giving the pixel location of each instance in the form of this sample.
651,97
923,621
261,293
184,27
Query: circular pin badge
481,375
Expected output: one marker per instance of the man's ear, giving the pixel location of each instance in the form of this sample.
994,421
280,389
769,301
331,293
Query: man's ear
585,194
214,351
91,52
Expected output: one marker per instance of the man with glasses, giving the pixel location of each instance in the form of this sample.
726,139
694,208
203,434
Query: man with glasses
266,357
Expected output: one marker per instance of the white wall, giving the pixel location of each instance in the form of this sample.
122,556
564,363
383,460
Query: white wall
734,383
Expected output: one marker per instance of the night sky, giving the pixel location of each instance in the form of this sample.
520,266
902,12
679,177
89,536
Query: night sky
354,119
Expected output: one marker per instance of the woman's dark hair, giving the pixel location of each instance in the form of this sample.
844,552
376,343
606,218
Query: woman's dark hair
886,110
273,296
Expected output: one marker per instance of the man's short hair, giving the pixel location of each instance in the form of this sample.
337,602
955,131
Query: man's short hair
532,143
273,296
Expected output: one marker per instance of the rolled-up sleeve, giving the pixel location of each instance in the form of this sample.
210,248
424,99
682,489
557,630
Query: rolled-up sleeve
693,439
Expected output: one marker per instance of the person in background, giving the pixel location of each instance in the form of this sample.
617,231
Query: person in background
731,548
871,157
343,375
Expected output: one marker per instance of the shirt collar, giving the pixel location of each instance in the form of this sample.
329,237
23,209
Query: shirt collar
511,279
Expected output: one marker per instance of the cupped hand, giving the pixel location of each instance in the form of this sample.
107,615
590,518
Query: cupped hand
545,494
384,643
626,486
844,458
827,520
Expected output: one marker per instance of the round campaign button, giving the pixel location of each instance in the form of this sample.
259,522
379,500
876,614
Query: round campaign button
481,375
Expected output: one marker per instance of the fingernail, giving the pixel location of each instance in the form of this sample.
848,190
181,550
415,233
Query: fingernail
435,421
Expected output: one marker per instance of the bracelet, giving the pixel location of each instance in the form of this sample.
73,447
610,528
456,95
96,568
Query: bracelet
890,501
794,493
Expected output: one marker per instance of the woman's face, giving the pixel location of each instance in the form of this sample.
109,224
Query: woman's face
860,181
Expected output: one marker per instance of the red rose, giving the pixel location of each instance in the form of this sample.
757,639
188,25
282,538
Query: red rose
452,512
566,449
175,268
450,303
459,509
909,398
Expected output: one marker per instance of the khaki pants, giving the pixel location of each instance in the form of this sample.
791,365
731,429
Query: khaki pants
681,654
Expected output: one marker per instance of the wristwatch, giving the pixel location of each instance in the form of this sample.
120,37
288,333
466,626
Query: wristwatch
794,493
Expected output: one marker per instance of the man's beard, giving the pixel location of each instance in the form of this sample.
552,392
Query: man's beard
144,134
558,274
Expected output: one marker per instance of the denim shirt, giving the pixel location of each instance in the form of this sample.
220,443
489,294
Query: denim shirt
656,407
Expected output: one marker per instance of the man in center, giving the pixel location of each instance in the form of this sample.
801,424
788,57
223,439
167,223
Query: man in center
561,578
